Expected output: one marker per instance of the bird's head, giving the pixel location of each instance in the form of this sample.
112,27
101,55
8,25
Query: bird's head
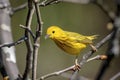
54,32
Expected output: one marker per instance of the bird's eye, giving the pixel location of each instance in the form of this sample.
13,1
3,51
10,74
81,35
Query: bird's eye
53,31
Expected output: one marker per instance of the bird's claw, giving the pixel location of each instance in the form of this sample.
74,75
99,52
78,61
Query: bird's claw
76,67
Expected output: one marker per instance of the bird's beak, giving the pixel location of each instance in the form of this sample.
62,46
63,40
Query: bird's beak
47,36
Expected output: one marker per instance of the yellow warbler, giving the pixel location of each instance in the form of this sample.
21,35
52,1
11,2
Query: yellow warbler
70,42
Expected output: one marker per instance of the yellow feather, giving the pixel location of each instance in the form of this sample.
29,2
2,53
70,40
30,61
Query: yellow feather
70,42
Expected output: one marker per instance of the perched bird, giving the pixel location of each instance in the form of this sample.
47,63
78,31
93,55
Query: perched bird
70,42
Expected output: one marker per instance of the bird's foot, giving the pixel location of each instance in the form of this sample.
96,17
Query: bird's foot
76,67
93,48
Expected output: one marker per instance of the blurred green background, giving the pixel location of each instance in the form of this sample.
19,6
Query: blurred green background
87,19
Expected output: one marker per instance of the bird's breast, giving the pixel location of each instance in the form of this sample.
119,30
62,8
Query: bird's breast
70,47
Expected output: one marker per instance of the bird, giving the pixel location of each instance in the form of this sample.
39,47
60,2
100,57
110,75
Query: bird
70,42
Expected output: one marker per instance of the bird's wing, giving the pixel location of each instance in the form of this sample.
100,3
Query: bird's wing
79,38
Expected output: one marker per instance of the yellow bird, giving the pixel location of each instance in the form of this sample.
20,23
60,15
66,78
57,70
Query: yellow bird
70,42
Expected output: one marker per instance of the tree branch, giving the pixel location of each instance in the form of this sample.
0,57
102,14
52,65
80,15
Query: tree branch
13,43
41,4
23,6
26,28
49,2
36,40
28,42
7,55
79,1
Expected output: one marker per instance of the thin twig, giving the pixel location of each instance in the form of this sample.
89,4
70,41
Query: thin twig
29,57
14,43
49,2
23,6
24,27
78,1
68,75
42,4
83,61
37,40
56,73
98,57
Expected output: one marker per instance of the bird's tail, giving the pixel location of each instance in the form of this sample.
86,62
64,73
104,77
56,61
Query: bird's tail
92,37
